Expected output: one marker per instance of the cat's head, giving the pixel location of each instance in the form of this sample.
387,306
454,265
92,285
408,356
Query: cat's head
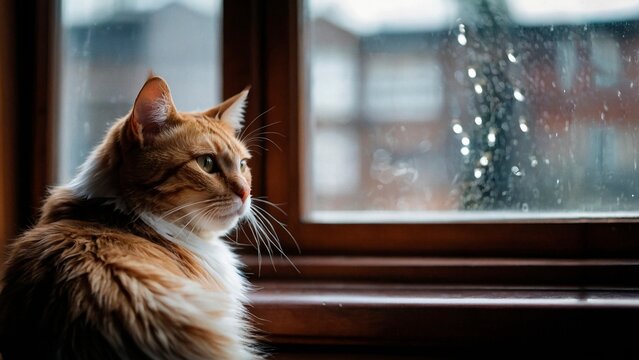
186,168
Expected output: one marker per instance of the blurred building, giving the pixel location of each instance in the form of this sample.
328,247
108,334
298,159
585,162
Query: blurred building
105,61
383,105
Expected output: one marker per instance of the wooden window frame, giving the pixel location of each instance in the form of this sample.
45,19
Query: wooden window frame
582,238
323,302
362,283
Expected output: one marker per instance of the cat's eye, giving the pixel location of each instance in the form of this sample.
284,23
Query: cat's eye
243,165
208,164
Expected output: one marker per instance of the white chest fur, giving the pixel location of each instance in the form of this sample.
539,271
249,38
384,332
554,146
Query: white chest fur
214,253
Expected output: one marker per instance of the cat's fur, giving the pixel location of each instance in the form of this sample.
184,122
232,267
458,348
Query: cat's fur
119,264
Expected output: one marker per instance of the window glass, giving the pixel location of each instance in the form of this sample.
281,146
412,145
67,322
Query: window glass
437,110
107,49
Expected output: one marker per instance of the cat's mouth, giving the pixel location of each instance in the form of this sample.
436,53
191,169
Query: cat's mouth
238,209
245,207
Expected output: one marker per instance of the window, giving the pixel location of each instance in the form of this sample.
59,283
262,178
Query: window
107,50
416,152
443,111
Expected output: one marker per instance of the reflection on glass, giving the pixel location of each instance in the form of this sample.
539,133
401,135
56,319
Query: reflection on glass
436,110
107,49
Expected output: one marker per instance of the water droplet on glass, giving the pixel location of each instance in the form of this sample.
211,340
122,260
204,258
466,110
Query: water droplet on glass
518,95
478,89
522,124
524,207
472,73
457,128
461,39
483,161
511,57
478,173
462,28
515,170
478,120
533,162
491,137
464,151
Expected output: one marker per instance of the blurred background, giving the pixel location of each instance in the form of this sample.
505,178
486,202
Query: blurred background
447,109
415,110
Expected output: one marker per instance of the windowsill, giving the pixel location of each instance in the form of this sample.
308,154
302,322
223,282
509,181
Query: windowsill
442,303
446,217
330,313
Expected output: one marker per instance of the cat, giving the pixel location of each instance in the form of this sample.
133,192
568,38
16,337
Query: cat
127,261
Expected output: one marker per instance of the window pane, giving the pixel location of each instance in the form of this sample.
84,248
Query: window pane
437,110
107,49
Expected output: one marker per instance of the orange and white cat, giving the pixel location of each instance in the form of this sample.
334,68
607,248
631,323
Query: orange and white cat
128,260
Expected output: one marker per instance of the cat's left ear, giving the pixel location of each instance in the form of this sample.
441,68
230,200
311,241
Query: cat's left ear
151,110
231,111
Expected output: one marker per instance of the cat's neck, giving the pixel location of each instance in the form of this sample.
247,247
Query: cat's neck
65,204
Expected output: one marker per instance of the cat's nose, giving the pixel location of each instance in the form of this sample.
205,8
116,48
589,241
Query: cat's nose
242,191
243,194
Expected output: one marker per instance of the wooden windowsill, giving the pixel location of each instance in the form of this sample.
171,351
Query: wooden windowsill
322,313
532,272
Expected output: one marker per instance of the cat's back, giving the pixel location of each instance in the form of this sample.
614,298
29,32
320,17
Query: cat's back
78,289
67,249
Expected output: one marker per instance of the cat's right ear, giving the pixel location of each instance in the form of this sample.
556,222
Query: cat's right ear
151,110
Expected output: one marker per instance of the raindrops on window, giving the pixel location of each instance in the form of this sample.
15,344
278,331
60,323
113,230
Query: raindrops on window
527,109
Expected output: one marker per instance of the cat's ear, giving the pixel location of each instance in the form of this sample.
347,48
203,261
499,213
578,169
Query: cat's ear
151,110
231,111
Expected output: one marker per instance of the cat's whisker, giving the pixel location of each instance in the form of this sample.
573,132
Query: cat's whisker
176,209
271,231
261,235
269,203
267,233
260,212
265,139
241,227
187,215
253,131
259,225
256,145
198,213
247,126
282,225
257,242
